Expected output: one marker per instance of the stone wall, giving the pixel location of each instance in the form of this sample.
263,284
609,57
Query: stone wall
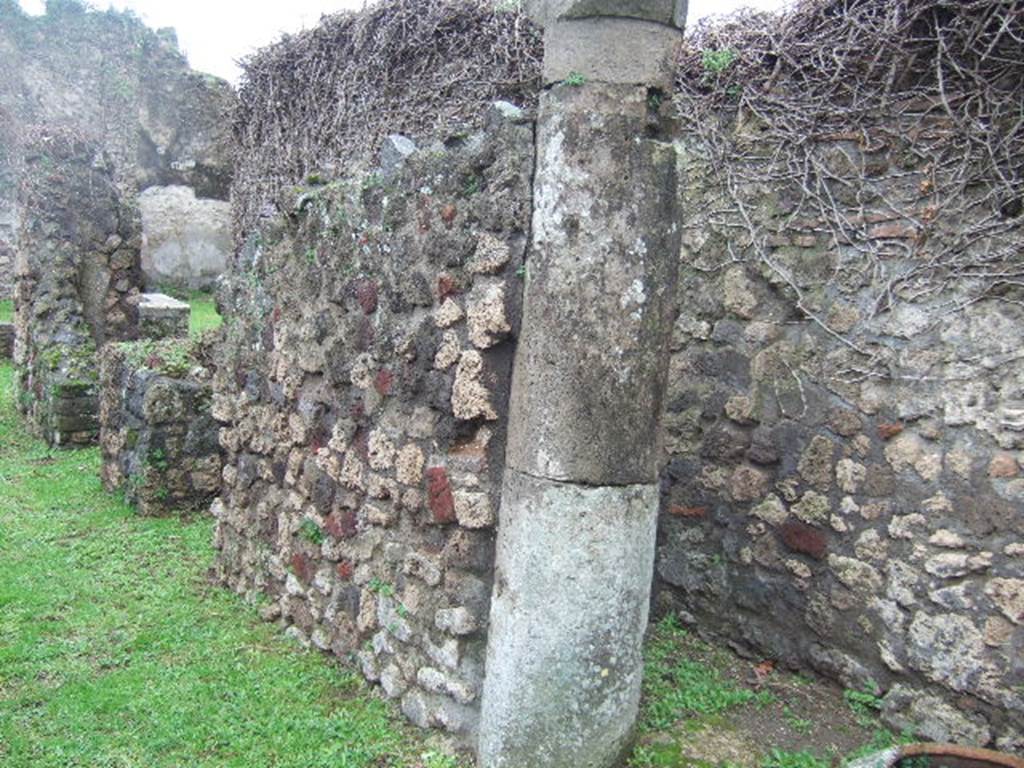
362,387
124,87
186,241
840,474
843,488
158,437
7,340
78,281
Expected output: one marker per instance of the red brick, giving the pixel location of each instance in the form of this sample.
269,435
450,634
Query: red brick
689,512
366,295
439,495
889,431
341,524
893,230
804,539
383,382
303,567
446,287
1003,465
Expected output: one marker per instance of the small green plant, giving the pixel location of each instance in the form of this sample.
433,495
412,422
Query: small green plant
864,704
882,738
311,256
798,724
657,755
676,686
521,272
158,460
311,532
438,760
716,61
471,185
381,587
575,79
779,758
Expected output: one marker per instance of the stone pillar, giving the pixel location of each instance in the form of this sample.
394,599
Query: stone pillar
579,504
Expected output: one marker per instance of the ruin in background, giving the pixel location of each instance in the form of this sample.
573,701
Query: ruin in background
111,81
95,107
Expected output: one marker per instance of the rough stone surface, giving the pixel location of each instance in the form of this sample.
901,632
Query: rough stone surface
362,394
610,50
566,553
125,88
883,542
7,340
913,711
78,281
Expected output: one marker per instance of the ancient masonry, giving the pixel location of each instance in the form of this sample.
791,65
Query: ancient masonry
158,438
579,505
93,108
365,425
78,282
404,491
486,396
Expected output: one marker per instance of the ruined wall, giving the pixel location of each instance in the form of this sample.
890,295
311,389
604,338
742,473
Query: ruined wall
842,483
843,487
78,281
362,389
158,438
124,87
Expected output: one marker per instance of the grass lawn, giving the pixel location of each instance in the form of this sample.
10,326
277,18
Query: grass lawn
116,652
704,707
6,310
204,314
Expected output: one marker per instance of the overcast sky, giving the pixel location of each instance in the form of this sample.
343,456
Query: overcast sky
216,33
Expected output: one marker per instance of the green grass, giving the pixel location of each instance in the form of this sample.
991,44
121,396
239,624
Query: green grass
204,313
6,310
677,686
116,652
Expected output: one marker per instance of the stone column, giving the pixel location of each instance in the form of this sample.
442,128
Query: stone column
579,504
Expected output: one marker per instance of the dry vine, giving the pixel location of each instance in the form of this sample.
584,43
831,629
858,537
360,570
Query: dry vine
892,131
330,95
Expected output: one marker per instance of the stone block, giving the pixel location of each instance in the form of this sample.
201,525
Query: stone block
611,50
187,239
162,317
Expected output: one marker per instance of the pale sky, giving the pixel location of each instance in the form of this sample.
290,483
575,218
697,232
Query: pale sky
216,33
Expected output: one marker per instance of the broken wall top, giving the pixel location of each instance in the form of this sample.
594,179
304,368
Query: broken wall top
126,86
